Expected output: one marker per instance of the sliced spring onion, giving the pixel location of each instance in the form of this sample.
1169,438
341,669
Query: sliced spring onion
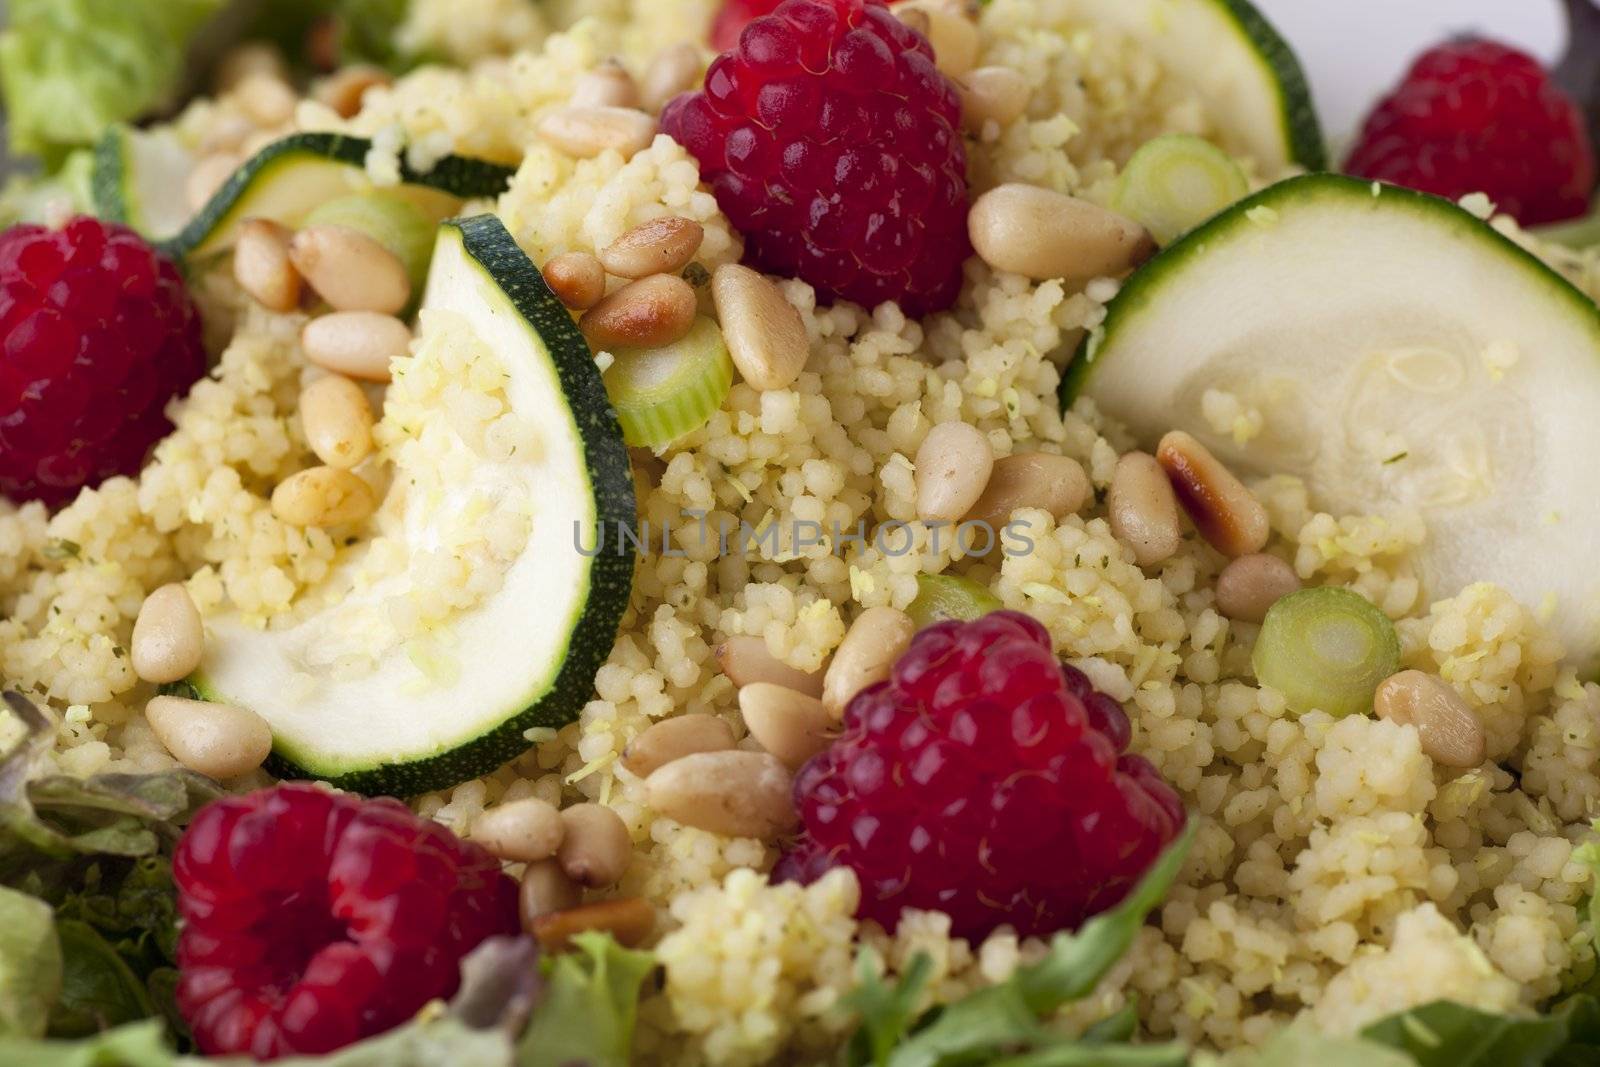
950,596
390,218
1326,649
1176,182
663,393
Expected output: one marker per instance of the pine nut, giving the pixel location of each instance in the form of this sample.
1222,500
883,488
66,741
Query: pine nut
168,636
218,740
596,848
763,331
953,35
338,421
586,132
1143,510
607,85
953,465
1250,585
628,920
674,70
357,344
650,313
266,99
660,246
577,279
1450,731
350,270
1223,510
1052,483
992,94
243,60
737,794
877,638
207,176
1042,234
746,661
790,725
545,888
261,265
323,496
345,90
675,738
523,831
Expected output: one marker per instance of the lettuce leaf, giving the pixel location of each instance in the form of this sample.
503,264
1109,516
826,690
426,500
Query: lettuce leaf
1443,1034
30,965
70,68
587,1013
1301,1046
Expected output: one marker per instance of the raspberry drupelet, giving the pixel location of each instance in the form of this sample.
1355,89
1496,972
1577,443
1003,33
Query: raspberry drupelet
986,780
833,143
97,335
314,919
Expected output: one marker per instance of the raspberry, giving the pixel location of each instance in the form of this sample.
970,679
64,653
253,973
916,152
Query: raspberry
97,334
1477,116
732,19
314,919
984,780
831,141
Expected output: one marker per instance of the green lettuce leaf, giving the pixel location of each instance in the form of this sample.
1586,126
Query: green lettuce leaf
98,988
587,1013
70,68
1010,1018
366,28
30,964
1301,1046
1444,1034
30,198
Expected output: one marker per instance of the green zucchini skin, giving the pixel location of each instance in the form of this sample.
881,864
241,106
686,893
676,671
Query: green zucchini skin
490,246
456,175
1301,129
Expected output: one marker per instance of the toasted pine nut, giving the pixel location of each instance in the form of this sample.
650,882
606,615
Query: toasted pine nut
607,85
358,344
350,270
577,279
323,496
218,740
628,920
1224,511
746,660
266,99
764,333
675,738
545,888
523,831
790,725
1056,484
1450,731
877,638
596,849
1251,584
1042,234
337,418
586,132
992,94
736,793
243,60
674,70
168,636
261,265
660,246
953,36
207,176
953,464
344,90
1143,510
650,313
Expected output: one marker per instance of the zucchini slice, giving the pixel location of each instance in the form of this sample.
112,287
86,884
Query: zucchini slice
506,617
289,179
1402,353
1247,76
137,180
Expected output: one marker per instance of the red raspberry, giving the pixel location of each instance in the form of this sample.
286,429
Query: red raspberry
832,143
1476,116
314,919
733,18
983,780
97,334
